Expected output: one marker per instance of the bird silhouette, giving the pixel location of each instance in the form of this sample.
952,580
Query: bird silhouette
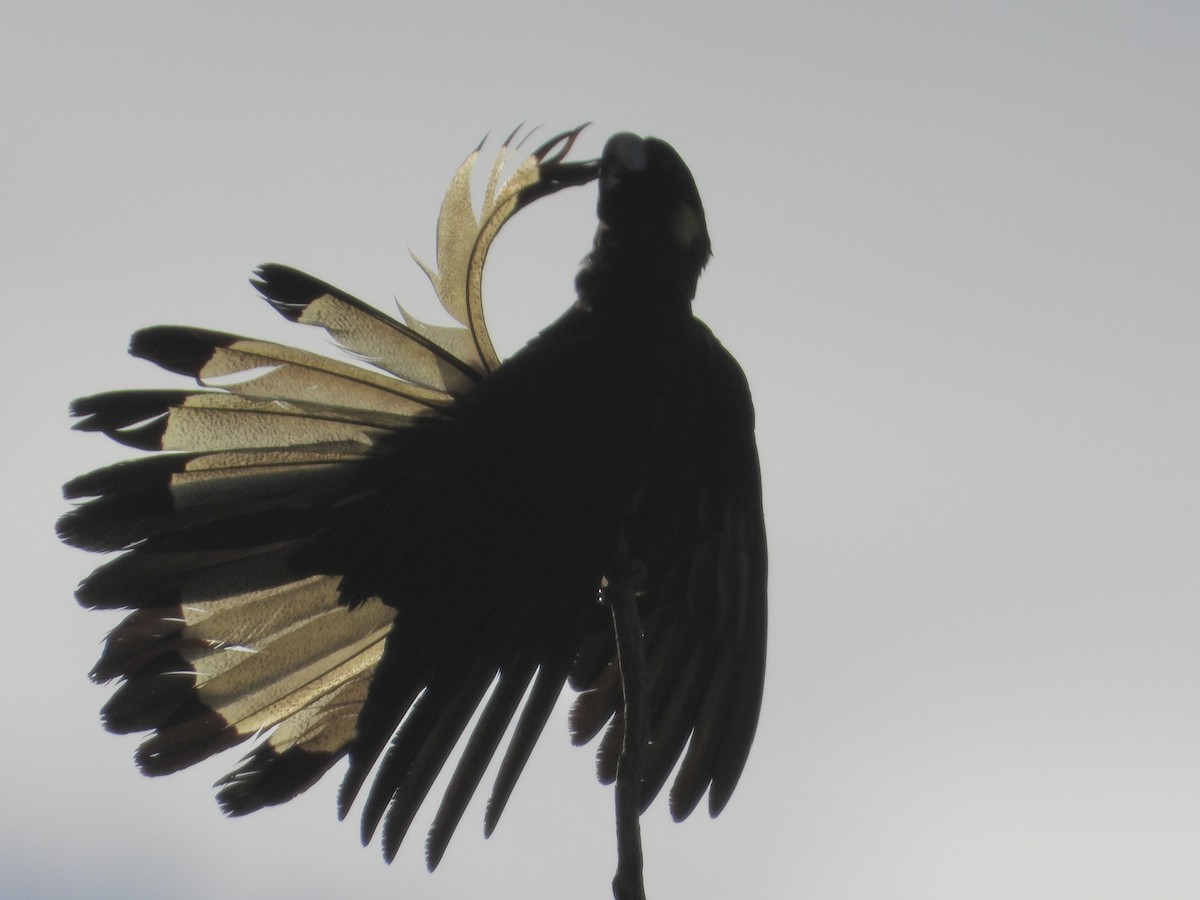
349,558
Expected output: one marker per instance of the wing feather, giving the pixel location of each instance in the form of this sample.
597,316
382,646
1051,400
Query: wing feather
700,530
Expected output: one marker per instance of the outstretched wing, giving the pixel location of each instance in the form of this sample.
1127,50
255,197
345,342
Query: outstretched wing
232,635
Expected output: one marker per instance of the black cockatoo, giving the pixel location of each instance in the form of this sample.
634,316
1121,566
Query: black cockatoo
343,558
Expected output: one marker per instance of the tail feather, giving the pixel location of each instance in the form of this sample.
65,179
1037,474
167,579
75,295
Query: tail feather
133,501
211,420
138,580
230,638
365,332
235,691
297,753
275,372
247,621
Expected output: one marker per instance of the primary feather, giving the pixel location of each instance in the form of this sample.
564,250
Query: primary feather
346,558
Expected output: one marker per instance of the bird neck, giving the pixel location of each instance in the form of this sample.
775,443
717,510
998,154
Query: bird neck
643,281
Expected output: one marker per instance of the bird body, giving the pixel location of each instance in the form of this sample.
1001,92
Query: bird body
360,558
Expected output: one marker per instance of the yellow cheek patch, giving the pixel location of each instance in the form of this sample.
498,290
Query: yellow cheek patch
687,227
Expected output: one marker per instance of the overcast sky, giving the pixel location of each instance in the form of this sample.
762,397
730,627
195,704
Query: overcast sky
956,253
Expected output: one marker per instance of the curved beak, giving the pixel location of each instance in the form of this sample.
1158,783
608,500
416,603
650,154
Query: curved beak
553,173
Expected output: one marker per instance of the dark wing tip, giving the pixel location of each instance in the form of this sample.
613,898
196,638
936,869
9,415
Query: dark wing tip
134,418
266,777
201,734
288,290
179,349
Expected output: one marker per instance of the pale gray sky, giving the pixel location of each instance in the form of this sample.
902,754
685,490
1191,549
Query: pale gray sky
956,252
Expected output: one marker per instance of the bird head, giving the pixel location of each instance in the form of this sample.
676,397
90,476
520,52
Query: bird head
652,239
648,197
